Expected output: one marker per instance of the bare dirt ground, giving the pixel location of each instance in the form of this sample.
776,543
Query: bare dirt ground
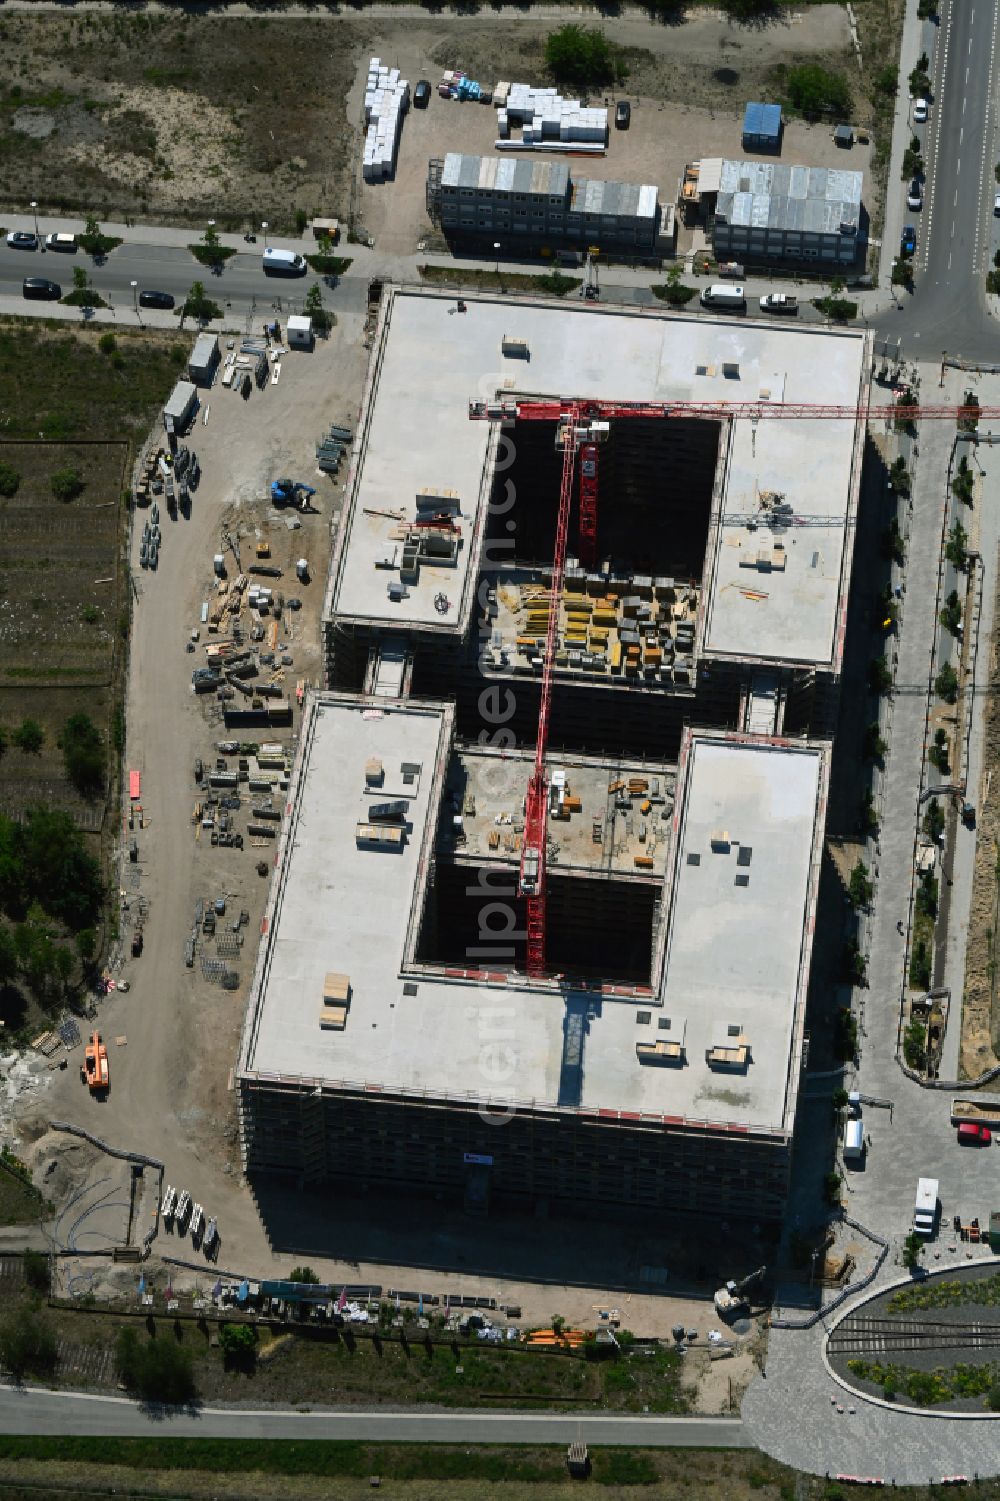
192,116
980,1042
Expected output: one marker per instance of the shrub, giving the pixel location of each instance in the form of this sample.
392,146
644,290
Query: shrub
238,1343
831,1188
83,753
157,1370
927,895
993,1398
874,746
955,549
934,820
915,1045
557,283
879,676
303,1274
27,1346
913,1247
66,483
839,1099
36,1271
672,290
107,343
9,479
838,309
969,422
813,90
29,737
845,1034
920,971
963,482
899,476
854,964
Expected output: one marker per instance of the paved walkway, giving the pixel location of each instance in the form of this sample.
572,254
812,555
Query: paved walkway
789,1413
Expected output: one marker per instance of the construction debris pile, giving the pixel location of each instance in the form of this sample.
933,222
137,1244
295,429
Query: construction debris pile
387,100
640,629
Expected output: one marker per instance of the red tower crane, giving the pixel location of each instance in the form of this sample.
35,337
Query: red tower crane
581,425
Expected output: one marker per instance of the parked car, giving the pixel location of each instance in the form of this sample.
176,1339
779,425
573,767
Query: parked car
915,194
908,240
920,111
61,242
971,1134
996,204
156,299
779,302
40,288
623,115
422,94
22,239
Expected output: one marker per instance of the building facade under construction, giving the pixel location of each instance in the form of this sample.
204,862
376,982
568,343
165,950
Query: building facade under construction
656,587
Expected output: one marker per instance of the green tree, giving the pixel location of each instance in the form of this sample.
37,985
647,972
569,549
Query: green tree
199,305
859,888
920,968
81,281
84,755
962,484
874,747
156,1370
879,676
956,547
854,965
107,343
937,751
66,483
303,1274
912,1250
867,816
893,547
814,90
313,305
839,1099
970,420
915,1045
951,613
927,895
29,737
747,11
27,1345
58,870
899,478
86,945
933,824
831,1188
36,951
580,55
8,957
946,684
887,80
672,290
9,479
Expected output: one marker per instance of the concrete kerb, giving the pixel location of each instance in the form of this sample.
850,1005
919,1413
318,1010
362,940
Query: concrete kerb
918,1412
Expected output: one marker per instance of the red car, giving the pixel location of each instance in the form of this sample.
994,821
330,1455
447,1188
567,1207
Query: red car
972,1135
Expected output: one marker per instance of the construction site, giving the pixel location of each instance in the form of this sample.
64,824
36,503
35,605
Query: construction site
541,920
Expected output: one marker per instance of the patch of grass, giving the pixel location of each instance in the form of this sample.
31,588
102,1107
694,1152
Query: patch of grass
488,281
329,265
674,293
84,297
211,255
20,1203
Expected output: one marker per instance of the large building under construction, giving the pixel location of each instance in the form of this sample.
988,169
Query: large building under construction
420,1013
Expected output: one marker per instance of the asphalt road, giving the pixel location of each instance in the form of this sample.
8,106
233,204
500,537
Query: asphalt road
161,268
956,231
33,1411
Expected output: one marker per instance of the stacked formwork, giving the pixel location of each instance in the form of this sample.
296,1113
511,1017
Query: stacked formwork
387,100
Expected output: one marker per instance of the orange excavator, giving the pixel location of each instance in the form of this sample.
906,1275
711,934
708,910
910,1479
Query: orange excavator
94,1072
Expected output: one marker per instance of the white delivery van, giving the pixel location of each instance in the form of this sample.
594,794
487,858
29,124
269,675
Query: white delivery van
283,262
719,295
854,1141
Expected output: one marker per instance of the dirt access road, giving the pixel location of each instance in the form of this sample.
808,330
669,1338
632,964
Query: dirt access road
169,1094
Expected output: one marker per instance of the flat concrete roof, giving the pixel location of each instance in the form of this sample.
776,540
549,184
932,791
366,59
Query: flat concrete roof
733,954
430,360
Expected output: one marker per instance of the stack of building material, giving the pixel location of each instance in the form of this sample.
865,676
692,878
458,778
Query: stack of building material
547,119
387,99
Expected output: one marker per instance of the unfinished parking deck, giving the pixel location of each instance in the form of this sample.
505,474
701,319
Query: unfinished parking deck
779,542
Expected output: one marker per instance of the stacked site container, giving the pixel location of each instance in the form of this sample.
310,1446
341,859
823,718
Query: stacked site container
387,99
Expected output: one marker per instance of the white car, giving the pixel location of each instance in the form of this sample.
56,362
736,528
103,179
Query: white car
915,195
920,111
996,204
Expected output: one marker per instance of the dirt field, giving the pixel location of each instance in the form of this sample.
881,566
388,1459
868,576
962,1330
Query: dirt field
189,116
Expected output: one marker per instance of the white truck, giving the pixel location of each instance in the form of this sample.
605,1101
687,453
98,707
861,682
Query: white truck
926,1208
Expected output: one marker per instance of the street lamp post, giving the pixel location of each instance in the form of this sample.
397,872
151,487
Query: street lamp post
34,210
496,247
264,232
135,296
